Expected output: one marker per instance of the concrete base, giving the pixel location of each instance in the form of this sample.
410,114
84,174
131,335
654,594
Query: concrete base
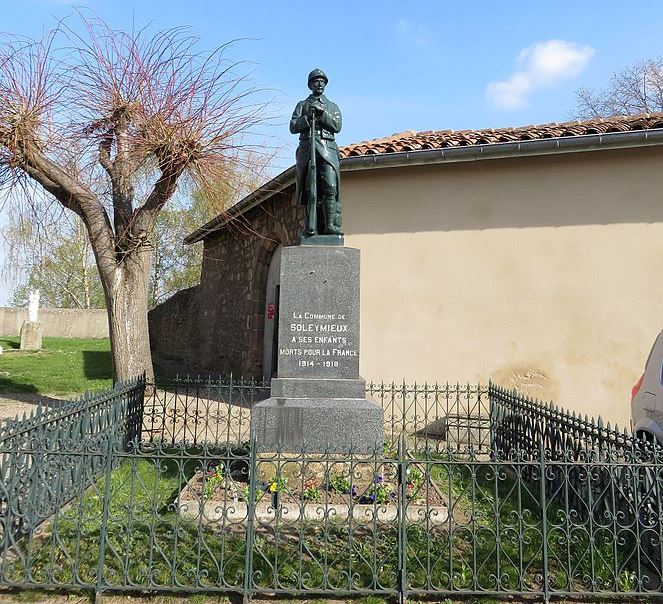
31,333
318,425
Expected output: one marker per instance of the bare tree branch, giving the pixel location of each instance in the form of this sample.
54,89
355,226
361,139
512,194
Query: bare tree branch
636,89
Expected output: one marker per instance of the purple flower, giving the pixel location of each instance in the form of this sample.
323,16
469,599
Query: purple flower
379,478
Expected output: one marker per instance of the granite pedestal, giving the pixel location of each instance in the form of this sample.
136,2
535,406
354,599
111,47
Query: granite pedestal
318,400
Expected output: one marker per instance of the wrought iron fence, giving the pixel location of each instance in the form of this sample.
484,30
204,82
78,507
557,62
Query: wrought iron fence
597,471
48,456
190,505
201,411
211,410
519,422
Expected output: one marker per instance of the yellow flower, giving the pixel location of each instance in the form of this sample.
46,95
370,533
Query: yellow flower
273,487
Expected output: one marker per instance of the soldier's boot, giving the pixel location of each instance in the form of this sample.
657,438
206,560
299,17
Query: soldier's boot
332,217
321,210
338,217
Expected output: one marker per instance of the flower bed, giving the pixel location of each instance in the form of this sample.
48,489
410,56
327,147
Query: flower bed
312,490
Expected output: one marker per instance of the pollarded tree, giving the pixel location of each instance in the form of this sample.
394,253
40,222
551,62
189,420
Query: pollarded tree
108,123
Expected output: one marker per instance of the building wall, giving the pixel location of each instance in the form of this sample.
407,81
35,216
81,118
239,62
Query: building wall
225,333
58,322
539,273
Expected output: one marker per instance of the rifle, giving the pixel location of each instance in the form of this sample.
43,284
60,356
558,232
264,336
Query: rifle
313,185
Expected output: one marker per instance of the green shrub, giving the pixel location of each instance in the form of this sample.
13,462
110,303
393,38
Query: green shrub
340,483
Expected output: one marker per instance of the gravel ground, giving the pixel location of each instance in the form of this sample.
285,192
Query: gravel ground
168,415
18,403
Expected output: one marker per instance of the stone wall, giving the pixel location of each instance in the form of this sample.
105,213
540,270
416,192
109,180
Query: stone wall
58,322
218,326
174,329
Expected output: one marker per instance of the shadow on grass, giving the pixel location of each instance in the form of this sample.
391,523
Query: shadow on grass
9,388
27,393
97,364
14,345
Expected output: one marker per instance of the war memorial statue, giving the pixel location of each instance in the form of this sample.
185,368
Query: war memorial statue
317,120
317,398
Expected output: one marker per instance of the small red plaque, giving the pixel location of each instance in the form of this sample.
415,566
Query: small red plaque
271,309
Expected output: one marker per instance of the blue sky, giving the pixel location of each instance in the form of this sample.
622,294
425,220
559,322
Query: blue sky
396,66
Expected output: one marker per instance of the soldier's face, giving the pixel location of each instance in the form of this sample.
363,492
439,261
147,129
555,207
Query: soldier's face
318,86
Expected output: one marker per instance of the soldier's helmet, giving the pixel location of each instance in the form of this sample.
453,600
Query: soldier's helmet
317,73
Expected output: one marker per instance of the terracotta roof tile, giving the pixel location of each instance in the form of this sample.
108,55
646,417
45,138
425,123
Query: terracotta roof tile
437,139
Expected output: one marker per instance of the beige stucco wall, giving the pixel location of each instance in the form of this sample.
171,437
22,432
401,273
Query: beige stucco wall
542,273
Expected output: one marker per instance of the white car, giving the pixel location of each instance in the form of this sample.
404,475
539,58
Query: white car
647,396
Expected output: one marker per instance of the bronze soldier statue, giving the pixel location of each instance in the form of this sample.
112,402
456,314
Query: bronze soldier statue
316,119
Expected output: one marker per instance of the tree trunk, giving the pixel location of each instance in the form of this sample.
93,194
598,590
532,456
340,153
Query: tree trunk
126,303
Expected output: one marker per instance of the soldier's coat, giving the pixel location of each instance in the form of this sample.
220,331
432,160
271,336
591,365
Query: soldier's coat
327,126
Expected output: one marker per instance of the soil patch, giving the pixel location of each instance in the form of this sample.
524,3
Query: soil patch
343,483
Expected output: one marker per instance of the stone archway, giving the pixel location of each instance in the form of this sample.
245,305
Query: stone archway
256,320
271,316
261,328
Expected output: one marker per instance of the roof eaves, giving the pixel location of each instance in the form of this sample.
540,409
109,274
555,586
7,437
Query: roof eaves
522,148
276,185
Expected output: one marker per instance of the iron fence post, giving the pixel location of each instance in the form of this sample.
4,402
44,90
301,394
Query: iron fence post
138,430
9,482
659,506
544,521
491,417
404,409
402,519
104,516
248,559
36,448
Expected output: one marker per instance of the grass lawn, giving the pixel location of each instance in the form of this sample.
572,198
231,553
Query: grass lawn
63,366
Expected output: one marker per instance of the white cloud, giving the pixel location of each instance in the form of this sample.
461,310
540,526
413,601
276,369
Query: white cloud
538,66
413,34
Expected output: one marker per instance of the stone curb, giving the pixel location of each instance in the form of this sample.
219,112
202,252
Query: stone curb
231,512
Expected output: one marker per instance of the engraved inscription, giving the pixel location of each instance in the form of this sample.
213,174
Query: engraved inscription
318,339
